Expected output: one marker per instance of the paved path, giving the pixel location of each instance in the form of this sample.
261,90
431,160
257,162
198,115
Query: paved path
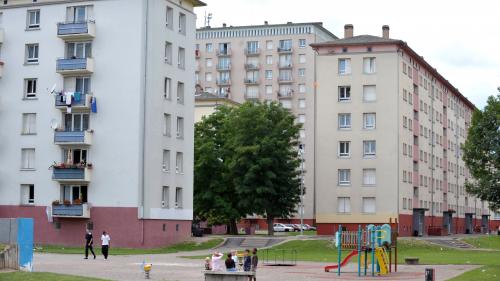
169,267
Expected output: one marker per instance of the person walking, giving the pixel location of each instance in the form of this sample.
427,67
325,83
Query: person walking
105,244
89,242
255,262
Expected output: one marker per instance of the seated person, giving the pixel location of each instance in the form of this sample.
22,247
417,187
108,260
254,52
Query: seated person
217,264
230,265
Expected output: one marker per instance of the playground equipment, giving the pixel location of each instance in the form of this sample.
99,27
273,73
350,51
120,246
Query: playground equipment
375,243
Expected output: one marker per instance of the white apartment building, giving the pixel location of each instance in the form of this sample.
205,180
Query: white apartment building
110,146
389,131
270,62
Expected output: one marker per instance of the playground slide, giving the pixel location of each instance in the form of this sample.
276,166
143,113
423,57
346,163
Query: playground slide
344,262
382,260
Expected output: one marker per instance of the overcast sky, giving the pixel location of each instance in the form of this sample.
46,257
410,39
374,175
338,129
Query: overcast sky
461,41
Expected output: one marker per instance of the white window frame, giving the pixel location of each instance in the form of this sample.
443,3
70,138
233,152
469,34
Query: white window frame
366,125
169,17
36,24
165,197
165,167
179,162
367,91
344,121
344,94
30,92
168,52
369,179
180,127
302,43
346,146
344,177
365,208
269,75
29,124
344,66
28,158
178,197
369,148
32,53
343,205
167,88
27,194
369,65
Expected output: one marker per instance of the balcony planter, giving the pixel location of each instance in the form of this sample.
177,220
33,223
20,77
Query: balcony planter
63,172
71,211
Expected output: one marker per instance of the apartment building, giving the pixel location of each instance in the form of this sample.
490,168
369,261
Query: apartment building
97,125
389,131
270,62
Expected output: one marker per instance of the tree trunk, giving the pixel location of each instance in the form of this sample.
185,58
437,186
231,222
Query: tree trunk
232,228
270,229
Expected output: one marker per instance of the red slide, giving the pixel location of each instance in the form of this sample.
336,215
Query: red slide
344,262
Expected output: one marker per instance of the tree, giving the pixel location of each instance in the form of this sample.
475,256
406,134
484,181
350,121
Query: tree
214,198
264,162
482,153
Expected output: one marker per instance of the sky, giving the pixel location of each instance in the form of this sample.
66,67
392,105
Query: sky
462,41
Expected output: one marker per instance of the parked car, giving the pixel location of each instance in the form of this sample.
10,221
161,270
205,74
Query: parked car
308,227
196,231
304,227
294,226
279,227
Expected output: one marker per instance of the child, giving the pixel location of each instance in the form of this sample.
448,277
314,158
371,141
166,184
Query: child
230,265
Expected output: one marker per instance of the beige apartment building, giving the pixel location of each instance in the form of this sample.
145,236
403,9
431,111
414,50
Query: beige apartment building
270,62
388,137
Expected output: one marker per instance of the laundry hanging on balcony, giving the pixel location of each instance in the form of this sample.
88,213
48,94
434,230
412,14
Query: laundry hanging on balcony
93,105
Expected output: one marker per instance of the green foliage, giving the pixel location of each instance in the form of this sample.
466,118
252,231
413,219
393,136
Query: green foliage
486,242
246,162
485,273
42,276
481,153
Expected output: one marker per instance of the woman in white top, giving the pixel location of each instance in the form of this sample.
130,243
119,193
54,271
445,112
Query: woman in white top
105,244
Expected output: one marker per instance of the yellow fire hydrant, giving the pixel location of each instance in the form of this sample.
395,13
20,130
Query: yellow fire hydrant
147,269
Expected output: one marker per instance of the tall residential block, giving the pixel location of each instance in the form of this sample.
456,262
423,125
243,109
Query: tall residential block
270,62
96,118
388,141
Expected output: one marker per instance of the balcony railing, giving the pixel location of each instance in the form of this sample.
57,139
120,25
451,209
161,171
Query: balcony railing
285,79
252,51
223,82
71,173
76,30
223,53
285,94
285,65
75,66
251,96
284,50
2,35
223,67
71,211
73,138
79,102
415,153
252,66
251,81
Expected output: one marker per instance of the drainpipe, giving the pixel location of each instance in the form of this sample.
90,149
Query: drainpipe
397,139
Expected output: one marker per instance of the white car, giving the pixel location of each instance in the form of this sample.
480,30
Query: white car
279,227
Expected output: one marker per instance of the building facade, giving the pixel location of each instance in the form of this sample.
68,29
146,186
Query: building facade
266,63
97,131
389,131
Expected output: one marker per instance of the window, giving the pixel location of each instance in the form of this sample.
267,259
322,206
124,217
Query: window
369,65
369,148
285,45
344,149
29,124
302,103
168,52
301,72
269,60
82,85
178,197
344,66
180,127
286,104
344,120
179,163
169,19
369,93
209,48
344,93
208,62
31,53
27,159
208,76
344,204
369,205
166,160
269,90
302,133
302,43
405,122
269,44
302,118
302,88
30,88
76,122
180,93
181,59
404,204
33,19
253,47
302,58
167,124
269,74
182,23
369,177
404,68
165,197
74,156
369,120
27,194
344,177
77,14
167,88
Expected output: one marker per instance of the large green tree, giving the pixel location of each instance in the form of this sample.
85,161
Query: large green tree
264,161
482,153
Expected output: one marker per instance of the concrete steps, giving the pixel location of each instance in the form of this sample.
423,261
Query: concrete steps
254,242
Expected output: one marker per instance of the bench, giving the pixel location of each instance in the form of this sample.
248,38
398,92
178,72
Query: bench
411,261
227,275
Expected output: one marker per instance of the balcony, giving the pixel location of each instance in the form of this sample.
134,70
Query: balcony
415,76
251,81
75,66
71,211
285,50
415,202
416,127
285,94
285,65
252,66
415,102
76,30
73,138
223,82
71,173
252,52
285,79
2,35
224,53
415,179
415,153
223,67
78,104
445,186
251,96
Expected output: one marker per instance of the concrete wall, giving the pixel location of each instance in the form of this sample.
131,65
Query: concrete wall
8,231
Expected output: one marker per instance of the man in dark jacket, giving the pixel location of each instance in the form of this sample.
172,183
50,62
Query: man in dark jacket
255,262
89,242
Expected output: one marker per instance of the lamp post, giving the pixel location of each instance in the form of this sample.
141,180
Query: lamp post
301,209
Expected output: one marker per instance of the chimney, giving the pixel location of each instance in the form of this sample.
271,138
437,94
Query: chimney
266,23
348,31
385,31
224,25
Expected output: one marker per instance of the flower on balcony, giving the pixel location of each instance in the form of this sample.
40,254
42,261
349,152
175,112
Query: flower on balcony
67,202
77,201
56,202
80,165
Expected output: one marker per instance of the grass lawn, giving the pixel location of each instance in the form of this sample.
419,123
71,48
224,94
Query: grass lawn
489,242
42,276
182,247
306,232
485,273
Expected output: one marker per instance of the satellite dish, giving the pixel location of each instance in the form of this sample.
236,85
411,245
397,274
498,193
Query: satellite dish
54,124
